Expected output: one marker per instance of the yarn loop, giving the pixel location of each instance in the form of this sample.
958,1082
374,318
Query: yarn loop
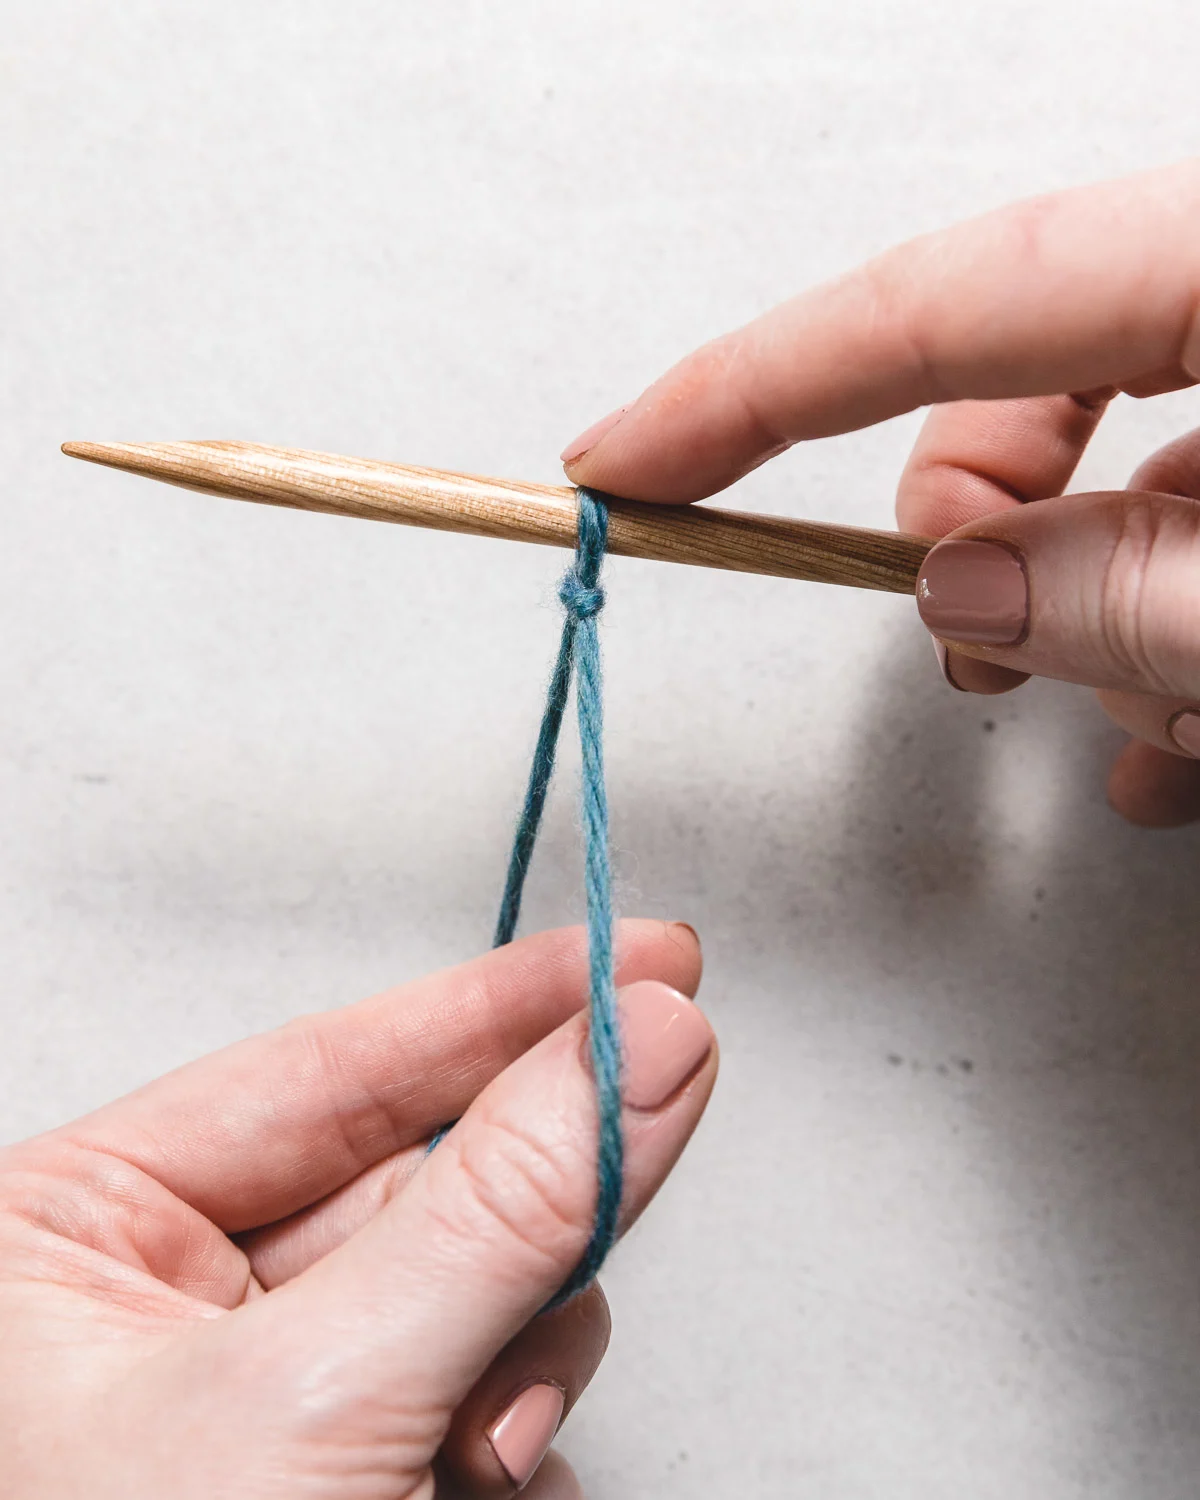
579,657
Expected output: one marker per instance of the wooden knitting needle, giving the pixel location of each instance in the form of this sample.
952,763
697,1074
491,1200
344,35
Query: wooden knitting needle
700,535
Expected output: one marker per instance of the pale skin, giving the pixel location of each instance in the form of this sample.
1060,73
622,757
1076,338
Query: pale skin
1017,329
249,1281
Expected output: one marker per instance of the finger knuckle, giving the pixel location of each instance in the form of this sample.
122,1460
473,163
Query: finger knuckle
1148,603
897,313
520,1187
360,1120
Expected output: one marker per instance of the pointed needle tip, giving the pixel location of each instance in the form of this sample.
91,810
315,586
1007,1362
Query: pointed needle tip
114,455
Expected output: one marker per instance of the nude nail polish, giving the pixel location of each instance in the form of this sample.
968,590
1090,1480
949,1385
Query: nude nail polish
1184,729
589,438
690,930
943,657
523,1432
974,592
664,1039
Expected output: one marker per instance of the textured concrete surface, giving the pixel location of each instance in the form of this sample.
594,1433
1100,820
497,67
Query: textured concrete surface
940,1234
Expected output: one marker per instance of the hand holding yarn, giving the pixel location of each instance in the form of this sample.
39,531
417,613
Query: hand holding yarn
1018,329
250,1279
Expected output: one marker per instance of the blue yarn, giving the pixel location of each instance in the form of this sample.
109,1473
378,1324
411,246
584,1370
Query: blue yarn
579,656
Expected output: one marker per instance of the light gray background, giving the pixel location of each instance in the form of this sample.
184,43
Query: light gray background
940,1233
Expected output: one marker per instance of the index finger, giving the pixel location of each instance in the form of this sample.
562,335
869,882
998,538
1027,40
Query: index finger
269,1125
1097,286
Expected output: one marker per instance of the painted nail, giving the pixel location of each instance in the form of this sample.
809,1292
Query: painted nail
523,1432
943,657
592,436
690,930
975,592
665,1039
1184,729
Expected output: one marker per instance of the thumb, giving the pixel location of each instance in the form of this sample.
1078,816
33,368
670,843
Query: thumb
378,1343
1096,589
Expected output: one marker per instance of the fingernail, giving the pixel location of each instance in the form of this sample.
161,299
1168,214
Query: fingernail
943,657
974,592
664,1039
1184,729
592,436
522,1433
690,930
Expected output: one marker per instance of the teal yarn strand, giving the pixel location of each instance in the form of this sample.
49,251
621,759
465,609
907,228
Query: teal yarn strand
579,657
583,599
579,660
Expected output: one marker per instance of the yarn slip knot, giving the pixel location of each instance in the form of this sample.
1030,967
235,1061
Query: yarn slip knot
577,599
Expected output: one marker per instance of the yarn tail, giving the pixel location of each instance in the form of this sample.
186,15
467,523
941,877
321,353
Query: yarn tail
540,773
